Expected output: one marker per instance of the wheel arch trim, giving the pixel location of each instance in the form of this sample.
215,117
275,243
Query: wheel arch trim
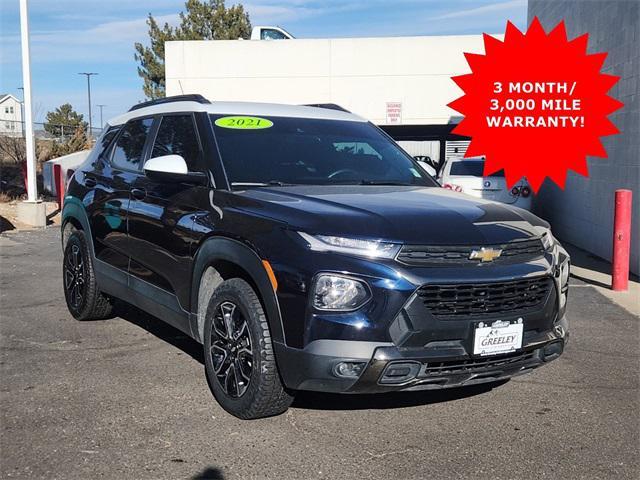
205,279
73,210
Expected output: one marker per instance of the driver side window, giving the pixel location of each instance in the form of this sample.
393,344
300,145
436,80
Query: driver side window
177,136
129,147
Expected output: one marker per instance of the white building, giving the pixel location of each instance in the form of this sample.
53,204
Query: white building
10,115
390,81
400,83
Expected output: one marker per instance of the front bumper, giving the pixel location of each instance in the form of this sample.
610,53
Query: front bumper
428,368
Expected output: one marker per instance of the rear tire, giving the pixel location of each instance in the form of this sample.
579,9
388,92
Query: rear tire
239,359
84,299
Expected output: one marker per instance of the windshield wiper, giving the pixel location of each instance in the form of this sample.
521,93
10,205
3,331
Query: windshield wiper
270,183
383,182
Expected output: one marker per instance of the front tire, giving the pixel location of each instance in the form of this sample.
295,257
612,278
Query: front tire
84,299
239,358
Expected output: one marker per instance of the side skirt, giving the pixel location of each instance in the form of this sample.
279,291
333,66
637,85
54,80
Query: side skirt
143,295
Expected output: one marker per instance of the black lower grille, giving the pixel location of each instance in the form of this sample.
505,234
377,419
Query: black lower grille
517,251
476,365
479,299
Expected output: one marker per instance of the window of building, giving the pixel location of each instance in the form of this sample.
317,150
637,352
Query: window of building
128,150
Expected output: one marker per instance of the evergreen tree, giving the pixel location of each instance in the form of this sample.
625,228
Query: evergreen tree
202,20
64,120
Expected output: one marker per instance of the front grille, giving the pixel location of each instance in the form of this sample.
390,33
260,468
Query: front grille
476,365
517,251
479,299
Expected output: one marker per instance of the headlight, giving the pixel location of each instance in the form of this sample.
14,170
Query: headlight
335,292
564,274
353,246
547,240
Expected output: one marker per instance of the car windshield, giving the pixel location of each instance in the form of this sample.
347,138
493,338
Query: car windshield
471,168
259,151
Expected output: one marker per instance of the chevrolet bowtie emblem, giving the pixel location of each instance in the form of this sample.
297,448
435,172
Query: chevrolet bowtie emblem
485,254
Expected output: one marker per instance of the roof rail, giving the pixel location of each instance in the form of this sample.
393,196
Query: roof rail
194,97
329,106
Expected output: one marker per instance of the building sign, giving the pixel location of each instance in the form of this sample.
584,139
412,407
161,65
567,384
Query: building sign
394,113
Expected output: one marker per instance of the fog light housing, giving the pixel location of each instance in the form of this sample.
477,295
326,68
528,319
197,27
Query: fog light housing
399,372
552,351
339,293
348,369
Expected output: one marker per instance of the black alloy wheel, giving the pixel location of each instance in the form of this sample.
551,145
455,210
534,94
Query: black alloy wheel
231,350
74,277
84,298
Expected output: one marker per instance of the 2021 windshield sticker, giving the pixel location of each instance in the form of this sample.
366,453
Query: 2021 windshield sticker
246,123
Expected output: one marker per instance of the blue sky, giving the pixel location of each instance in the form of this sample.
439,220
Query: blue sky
70,36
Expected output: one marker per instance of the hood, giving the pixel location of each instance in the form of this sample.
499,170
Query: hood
415,215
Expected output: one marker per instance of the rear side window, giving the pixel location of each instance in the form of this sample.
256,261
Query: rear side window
471,168
177,136
129,147
106,140
102,144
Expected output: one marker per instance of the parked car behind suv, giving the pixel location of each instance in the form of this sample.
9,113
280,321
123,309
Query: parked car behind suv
306,251
467,175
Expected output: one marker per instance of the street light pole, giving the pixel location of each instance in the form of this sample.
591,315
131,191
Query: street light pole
32,211
22,113
88,74
101,122
32,188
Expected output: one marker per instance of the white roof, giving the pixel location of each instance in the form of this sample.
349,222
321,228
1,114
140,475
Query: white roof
239,108
7,96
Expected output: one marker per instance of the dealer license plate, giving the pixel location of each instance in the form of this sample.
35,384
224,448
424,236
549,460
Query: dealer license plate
497,337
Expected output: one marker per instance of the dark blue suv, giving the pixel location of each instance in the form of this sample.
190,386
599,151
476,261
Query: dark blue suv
306,251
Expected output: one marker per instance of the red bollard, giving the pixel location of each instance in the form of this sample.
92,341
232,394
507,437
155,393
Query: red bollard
58,178
621,241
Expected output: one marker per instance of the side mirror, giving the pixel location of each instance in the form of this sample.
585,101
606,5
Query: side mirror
427,168
172,168
426,159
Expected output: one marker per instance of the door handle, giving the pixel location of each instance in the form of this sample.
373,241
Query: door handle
90,182
138,193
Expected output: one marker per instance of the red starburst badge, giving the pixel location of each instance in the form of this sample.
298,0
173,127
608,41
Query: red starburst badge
535,105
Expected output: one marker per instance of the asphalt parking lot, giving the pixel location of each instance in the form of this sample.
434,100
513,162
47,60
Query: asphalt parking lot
127,398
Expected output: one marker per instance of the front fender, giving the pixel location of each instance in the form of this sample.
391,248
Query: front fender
74,209
221,248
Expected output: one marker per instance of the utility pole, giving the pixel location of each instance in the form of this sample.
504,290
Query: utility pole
31,212
101,122
88,74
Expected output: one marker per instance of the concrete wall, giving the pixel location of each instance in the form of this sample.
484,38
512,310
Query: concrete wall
361,74
583,213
